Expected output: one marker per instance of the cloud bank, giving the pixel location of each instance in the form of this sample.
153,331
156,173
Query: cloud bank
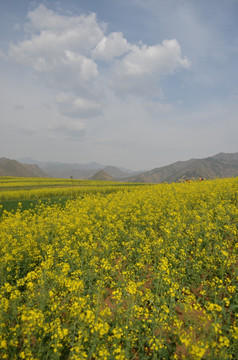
75,56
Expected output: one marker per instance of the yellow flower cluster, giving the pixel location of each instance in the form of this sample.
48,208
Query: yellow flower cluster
12,188
143,273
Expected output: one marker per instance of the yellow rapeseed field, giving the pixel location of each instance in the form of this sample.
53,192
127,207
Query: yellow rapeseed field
14,188
149,273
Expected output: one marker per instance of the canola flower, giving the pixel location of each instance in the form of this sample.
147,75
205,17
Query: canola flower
16,188
149,273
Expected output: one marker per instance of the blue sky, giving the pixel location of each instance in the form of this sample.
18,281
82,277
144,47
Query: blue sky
138,84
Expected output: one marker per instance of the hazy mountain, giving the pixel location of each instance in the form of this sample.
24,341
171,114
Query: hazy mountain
65,171
101,175
10,167
91,165
221,165
28,160
116,173
79,171
230,157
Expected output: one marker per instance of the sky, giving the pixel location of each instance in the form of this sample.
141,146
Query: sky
131,83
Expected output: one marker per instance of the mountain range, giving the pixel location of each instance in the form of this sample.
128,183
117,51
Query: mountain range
220,165
10,167
79,171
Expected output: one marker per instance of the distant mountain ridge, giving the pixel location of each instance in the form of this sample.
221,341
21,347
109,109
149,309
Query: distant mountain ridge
220,165
10,167
101,175
79,171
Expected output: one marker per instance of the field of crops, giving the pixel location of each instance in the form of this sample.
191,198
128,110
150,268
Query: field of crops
29,191
31,188
138,272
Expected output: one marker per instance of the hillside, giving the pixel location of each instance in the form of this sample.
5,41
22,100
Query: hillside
115,172
81,171
101,175
65,171
10,167
78,171
221,165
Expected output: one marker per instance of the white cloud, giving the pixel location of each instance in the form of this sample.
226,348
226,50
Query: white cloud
58,49
27,130
59,67
68,130
159,107
63,51
110,47
139,72
79,33
3,55
77,107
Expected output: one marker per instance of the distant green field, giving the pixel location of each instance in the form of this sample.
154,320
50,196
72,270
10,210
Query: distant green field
29,192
